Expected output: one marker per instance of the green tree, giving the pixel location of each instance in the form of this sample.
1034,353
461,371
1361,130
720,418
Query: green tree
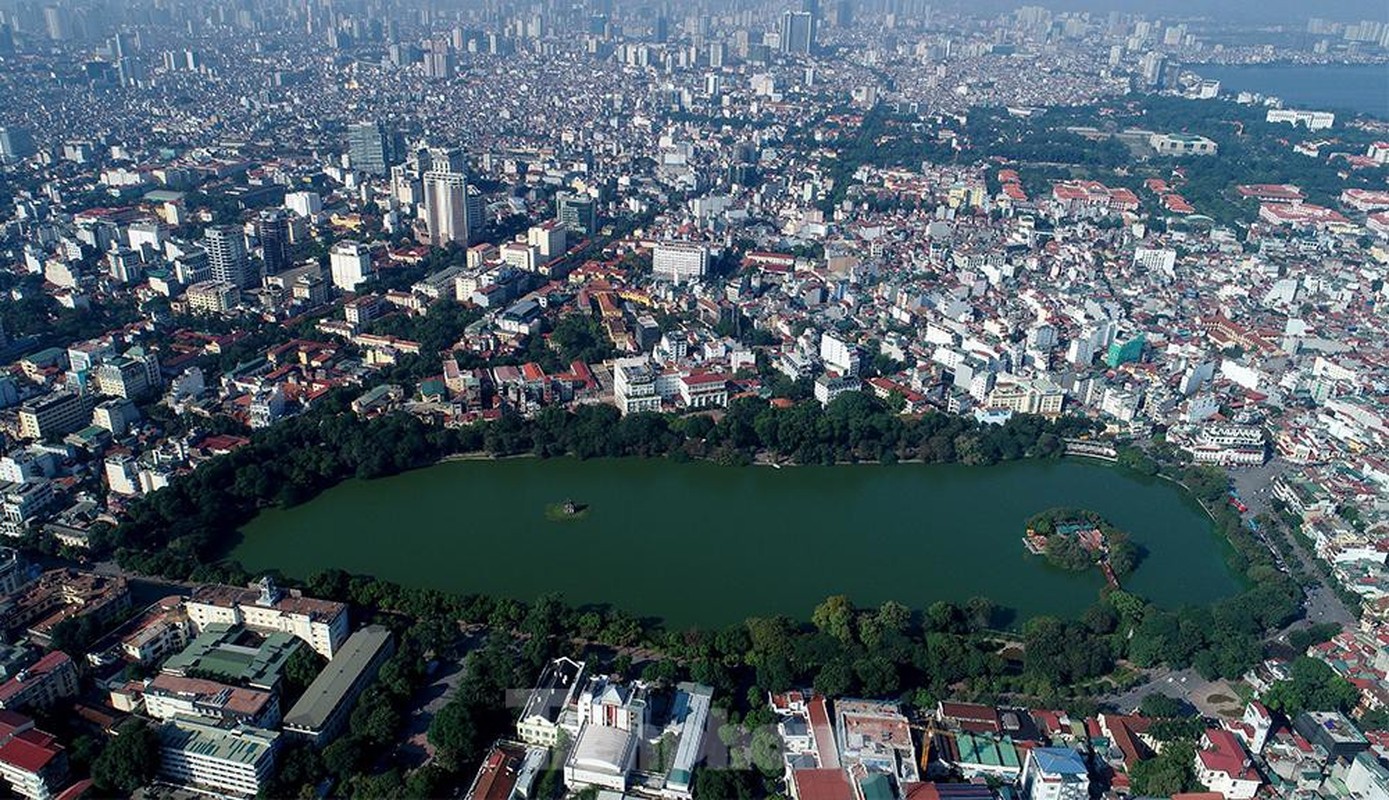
301,668
980,612
129,761
835,616
835,679
1313,686
1168,773
725,784
1160,705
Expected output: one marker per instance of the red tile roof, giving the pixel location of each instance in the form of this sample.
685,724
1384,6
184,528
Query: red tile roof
30,751
822,784
1226,754
42,667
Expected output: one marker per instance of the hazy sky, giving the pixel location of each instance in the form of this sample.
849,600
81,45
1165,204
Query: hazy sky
1252,10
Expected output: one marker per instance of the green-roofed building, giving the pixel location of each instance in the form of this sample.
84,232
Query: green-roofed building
230,761
234,654
163,196
91,438
984,755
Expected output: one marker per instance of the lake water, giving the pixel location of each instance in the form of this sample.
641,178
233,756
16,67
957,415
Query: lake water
1335,87
701,544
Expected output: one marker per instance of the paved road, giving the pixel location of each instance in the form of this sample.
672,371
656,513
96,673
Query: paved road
1161,680
1322,604
416,750
1186,685
424,705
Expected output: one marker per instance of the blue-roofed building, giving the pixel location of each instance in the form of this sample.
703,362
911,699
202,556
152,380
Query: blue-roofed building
1055,773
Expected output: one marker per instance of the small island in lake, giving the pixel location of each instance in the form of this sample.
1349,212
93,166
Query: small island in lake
1077,539
568,510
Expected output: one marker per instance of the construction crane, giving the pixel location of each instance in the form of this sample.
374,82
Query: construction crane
928,736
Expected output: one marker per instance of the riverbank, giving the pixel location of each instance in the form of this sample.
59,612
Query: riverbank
1354,88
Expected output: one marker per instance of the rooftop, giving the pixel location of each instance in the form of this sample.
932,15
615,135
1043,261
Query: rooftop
337,679
1059,761
242,744
235,653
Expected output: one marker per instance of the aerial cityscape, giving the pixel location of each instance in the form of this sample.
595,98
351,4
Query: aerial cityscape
704,400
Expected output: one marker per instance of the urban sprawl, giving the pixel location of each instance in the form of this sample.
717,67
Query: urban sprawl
219,218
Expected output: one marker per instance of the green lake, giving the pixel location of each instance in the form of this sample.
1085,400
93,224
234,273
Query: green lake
701,544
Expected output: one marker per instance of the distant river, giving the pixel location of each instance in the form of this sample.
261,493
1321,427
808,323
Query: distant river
701,544
1333,87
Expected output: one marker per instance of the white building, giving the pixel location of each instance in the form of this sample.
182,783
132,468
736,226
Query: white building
634,385
612,723
1311,120
197,754
679,262
1222,765
305,204
123,475
116,415
32,763
321,623
1367,778
549,238
1182,144
446,207
213,297
20,503
167,697
1155,259
1055,773
28,464
828,387
522,256
553,704
704,390
350,265
838,354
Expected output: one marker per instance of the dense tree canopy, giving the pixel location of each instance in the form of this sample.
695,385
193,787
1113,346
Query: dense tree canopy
1313,686
129,761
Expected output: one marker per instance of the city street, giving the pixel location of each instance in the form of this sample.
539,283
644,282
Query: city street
424,705
1254,486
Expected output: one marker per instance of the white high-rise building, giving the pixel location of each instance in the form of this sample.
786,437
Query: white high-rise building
446,207
1155,259
549,238
123,475
226,254
350,264
680,261
839,355
634,385
305,204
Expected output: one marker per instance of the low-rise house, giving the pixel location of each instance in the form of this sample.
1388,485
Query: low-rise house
1223,765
